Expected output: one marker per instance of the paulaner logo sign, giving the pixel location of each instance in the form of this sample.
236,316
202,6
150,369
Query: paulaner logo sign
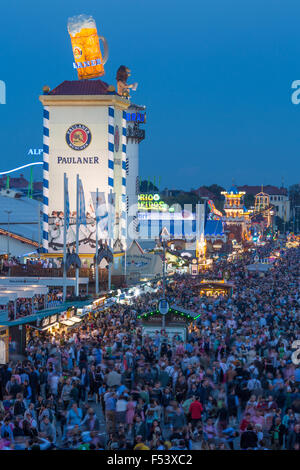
78,160
78,137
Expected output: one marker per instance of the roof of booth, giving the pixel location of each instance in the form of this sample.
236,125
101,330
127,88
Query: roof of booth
46,313
82,87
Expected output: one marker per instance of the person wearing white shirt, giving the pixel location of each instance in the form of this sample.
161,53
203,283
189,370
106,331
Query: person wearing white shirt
121,407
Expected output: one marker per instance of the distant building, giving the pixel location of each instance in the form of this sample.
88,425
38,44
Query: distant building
21,185
204,193
278,198
237,219
14,183
19,223
172,192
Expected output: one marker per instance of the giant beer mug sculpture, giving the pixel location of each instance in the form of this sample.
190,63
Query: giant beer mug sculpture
86,48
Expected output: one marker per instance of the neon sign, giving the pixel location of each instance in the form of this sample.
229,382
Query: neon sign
136,117
35,152
150,202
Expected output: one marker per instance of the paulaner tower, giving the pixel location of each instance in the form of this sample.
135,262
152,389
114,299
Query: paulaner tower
84,133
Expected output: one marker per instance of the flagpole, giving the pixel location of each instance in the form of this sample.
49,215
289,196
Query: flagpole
65,240
96,262
77,234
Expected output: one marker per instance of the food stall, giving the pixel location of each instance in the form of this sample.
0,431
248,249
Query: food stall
177,323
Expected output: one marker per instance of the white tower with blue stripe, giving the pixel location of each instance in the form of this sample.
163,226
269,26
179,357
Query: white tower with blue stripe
84,132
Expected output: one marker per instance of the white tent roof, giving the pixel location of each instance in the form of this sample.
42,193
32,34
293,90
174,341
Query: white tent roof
37,290
23,217
21,293
45,281
4,300
10,295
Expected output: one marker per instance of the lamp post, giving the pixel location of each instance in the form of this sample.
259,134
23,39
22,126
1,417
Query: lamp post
8,214
164,236
164,281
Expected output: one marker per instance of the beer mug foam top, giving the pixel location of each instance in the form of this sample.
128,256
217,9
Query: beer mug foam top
86,47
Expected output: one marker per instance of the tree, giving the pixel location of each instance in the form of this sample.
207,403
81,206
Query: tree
249,200
182,199
218,199
147,186
215,189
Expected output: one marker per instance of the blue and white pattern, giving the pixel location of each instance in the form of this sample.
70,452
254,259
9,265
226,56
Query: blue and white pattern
82,212
124,200
45,178
111,131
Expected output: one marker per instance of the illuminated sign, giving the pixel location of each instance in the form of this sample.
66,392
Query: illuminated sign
35,152
194,270
135,117
150,202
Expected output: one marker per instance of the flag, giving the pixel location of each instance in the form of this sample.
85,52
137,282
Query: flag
101,214
67,214
81,211
111,205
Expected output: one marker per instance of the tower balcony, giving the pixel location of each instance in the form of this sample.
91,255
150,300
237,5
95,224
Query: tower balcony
135,133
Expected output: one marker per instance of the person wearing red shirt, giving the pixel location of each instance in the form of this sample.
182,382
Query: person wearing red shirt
195,411
245,422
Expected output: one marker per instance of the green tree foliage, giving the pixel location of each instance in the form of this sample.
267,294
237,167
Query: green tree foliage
249,200
147,187
182,199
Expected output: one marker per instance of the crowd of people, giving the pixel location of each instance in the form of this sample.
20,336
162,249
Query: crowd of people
233,384
23,307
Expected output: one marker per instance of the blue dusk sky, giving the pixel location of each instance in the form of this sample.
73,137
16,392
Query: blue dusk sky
215,76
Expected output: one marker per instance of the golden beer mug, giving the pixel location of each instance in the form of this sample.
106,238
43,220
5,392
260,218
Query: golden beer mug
86,48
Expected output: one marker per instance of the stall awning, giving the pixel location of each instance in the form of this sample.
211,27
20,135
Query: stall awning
4,300
8,294
67,322
46,313
27,292
188,313
75,319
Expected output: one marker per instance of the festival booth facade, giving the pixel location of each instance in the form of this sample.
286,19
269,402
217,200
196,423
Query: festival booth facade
138,264
177,323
